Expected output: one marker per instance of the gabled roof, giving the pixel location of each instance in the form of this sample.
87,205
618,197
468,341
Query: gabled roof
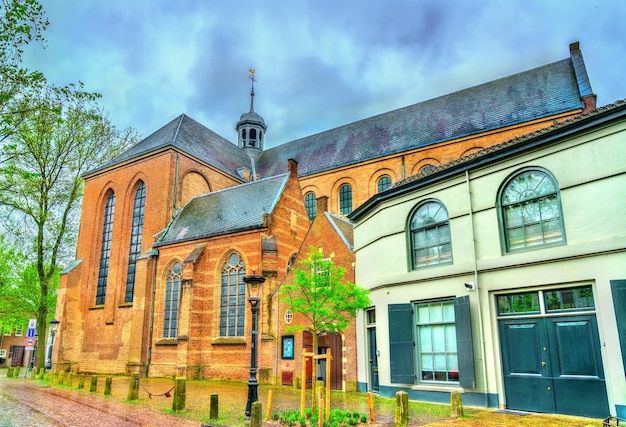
193,138
344,229
529,95
598,117
233,209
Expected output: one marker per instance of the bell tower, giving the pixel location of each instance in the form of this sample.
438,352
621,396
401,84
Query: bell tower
251,126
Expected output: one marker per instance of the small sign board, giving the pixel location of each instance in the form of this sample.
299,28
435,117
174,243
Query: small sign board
30,343
32,325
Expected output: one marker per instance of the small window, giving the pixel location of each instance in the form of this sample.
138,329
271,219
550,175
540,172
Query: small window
18,332
530,211
384,183
310,204
569,299
427,168
523,303
6,331
430,235
345,199
371,316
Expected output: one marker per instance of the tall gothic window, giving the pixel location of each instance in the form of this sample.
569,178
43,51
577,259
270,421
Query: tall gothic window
232,306
345,199
530,211
172,301
105,248
311,205
136,230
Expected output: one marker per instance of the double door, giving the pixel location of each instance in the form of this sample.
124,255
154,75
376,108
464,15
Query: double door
553,365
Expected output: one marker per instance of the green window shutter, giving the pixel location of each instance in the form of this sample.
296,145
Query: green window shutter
401,344
464,345
618,288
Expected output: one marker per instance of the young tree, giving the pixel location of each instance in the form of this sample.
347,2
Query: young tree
321,295
41,180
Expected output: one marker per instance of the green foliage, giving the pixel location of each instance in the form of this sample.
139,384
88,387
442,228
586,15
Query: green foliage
320,293
338,417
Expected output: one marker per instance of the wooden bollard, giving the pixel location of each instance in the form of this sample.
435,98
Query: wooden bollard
107,386
81,381
456,404
133,387
9,372
401,414
41,373
370,404
16,372
214,408
33,374
70,379
94,384
256,414
62,378
320,413
180,395
270,394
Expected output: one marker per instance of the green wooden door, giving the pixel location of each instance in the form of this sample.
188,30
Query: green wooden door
527,382
553,364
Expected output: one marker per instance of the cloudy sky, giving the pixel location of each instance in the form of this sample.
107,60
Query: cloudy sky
319,63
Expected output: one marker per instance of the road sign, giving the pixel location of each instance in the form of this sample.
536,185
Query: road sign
29,342
32,325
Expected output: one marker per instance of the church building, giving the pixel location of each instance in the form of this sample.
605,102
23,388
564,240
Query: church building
170,228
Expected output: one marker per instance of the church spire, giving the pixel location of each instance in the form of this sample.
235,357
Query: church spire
251,126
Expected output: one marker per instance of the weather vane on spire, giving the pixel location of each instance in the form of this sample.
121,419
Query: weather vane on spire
251,77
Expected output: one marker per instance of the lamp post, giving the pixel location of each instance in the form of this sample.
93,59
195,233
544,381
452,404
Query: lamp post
253,283
54,324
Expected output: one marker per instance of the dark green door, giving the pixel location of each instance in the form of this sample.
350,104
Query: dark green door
553,364
373,359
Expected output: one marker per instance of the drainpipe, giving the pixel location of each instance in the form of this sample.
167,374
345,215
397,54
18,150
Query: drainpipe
174,206
403,171
478,289
154,254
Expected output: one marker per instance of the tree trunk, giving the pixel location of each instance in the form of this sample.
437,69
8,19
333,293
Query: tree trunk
314,374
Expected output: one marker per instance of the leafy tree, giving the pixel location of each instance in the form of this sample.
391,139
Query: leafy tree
11,262
21,23
41,180
324,299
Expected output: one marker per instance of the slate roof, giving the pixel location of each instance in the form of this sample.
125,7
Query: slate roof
193,138
541,92
344,229
529,95
495,153
226,211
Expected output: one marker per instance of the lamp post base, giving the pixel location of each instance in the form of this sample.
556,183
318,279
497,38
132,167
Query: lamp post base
253,395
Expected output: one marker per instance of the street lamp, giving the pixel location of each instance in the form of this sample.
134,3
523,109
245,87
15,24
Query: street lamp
54,324
253,283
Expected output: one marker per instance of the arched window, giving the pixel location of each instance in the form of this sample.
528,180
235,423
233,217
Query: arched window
384,182
136,231
232,306
345,199
430,235
105,248
530,211
310,204
427,168
172,301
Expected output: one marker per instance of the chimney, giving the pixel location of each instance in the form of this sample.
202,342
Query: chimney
292,166
322,205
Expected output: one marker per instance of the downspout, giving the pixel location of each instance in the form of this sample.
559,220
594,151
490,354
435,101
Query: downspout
478,290
154,254
174,207
403,171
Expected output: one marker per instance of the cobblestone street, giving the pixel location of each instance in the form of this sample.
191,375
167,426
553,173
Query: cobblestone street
27,403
